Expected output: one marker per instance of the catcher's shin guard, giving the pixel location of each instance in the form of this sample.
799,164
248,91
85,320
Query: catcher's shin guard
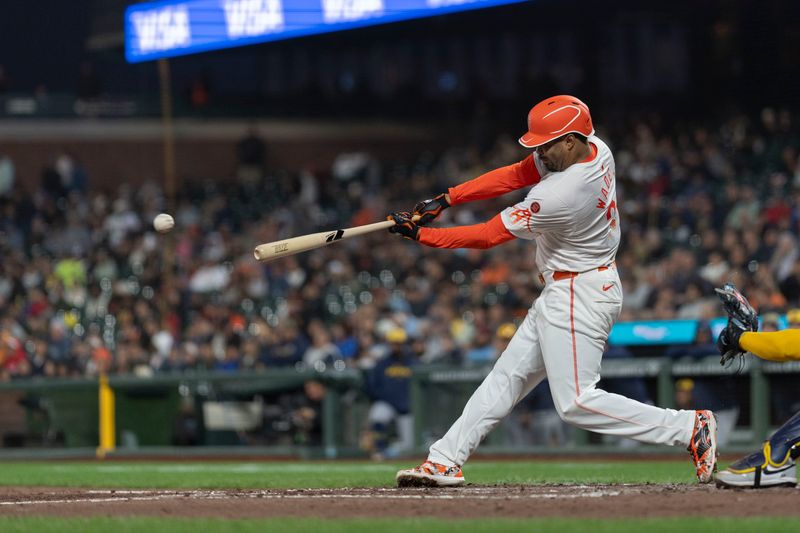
774,465
785,442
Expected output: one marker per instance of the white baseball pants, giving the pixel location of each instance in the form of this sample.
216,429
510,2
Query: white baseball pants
563,338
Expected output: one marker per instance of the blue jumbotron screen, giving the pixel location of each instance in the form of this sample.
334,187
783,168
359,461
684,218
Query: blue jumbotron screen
173,28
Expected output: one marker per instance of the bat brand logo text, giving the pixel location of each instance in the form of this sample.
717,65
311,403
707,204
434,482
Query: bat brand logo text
335,236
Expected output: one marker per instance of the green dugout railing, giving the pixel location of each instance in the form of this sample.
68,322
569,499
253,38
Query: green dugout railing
65,413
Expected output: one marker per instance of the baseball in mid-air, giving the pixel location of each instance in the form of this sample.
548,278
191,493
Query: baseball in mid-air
163,223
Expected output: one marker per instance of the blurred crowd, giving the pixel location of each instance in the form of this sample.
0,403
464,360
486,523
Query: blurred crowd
87,286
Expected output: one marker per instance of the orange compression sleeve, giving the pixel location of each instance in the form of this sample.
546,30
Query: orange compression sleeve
496,182
485,235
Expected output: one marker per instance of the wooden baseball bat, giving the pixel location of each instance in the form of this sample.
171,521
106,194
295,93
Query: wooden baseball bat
273,250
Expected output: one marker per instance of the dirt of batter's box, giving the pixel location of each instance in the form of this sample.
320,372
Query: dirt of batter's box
471,501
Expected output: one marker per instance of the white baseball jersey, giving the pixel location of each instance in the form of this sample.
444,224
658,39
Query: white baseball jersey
572,214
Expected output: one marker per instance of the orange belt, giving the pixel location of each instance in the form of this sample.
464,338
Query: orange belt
559,274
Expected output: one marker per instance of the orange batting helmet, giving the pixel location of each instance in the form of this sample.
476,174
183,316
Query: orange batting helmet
556,116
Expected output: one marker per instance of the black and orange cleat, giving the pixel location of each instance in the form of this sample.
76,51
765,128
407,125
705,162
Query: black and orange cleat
703,445
430,474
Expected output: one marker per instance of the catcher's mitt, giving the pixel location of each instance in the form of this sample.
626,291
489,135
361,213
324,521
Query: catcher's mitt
741,317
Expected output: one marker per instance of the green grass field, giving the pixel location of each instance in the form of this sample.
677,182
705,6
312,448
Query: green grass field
182,475
324,474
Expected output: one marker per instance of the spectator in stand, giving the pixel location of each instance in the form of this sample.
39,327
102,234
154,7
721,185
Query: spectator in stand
288,349
345,341
482,350
486,347
793,318
322,352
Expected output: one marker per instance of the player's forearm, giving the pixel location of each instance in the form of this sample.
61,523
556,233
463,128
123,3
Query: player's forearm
495,183
481,236
773,346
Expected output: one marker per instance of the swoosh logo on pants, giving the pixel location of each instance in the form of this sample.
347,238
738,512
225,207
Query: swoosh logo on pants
608,286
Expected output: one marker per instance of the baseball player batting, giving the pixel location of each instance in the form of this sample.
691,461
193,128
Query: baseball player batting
571,213
775,464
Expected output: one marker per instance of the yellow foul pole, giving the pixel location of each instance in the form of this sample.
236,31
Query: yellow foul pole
108,440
